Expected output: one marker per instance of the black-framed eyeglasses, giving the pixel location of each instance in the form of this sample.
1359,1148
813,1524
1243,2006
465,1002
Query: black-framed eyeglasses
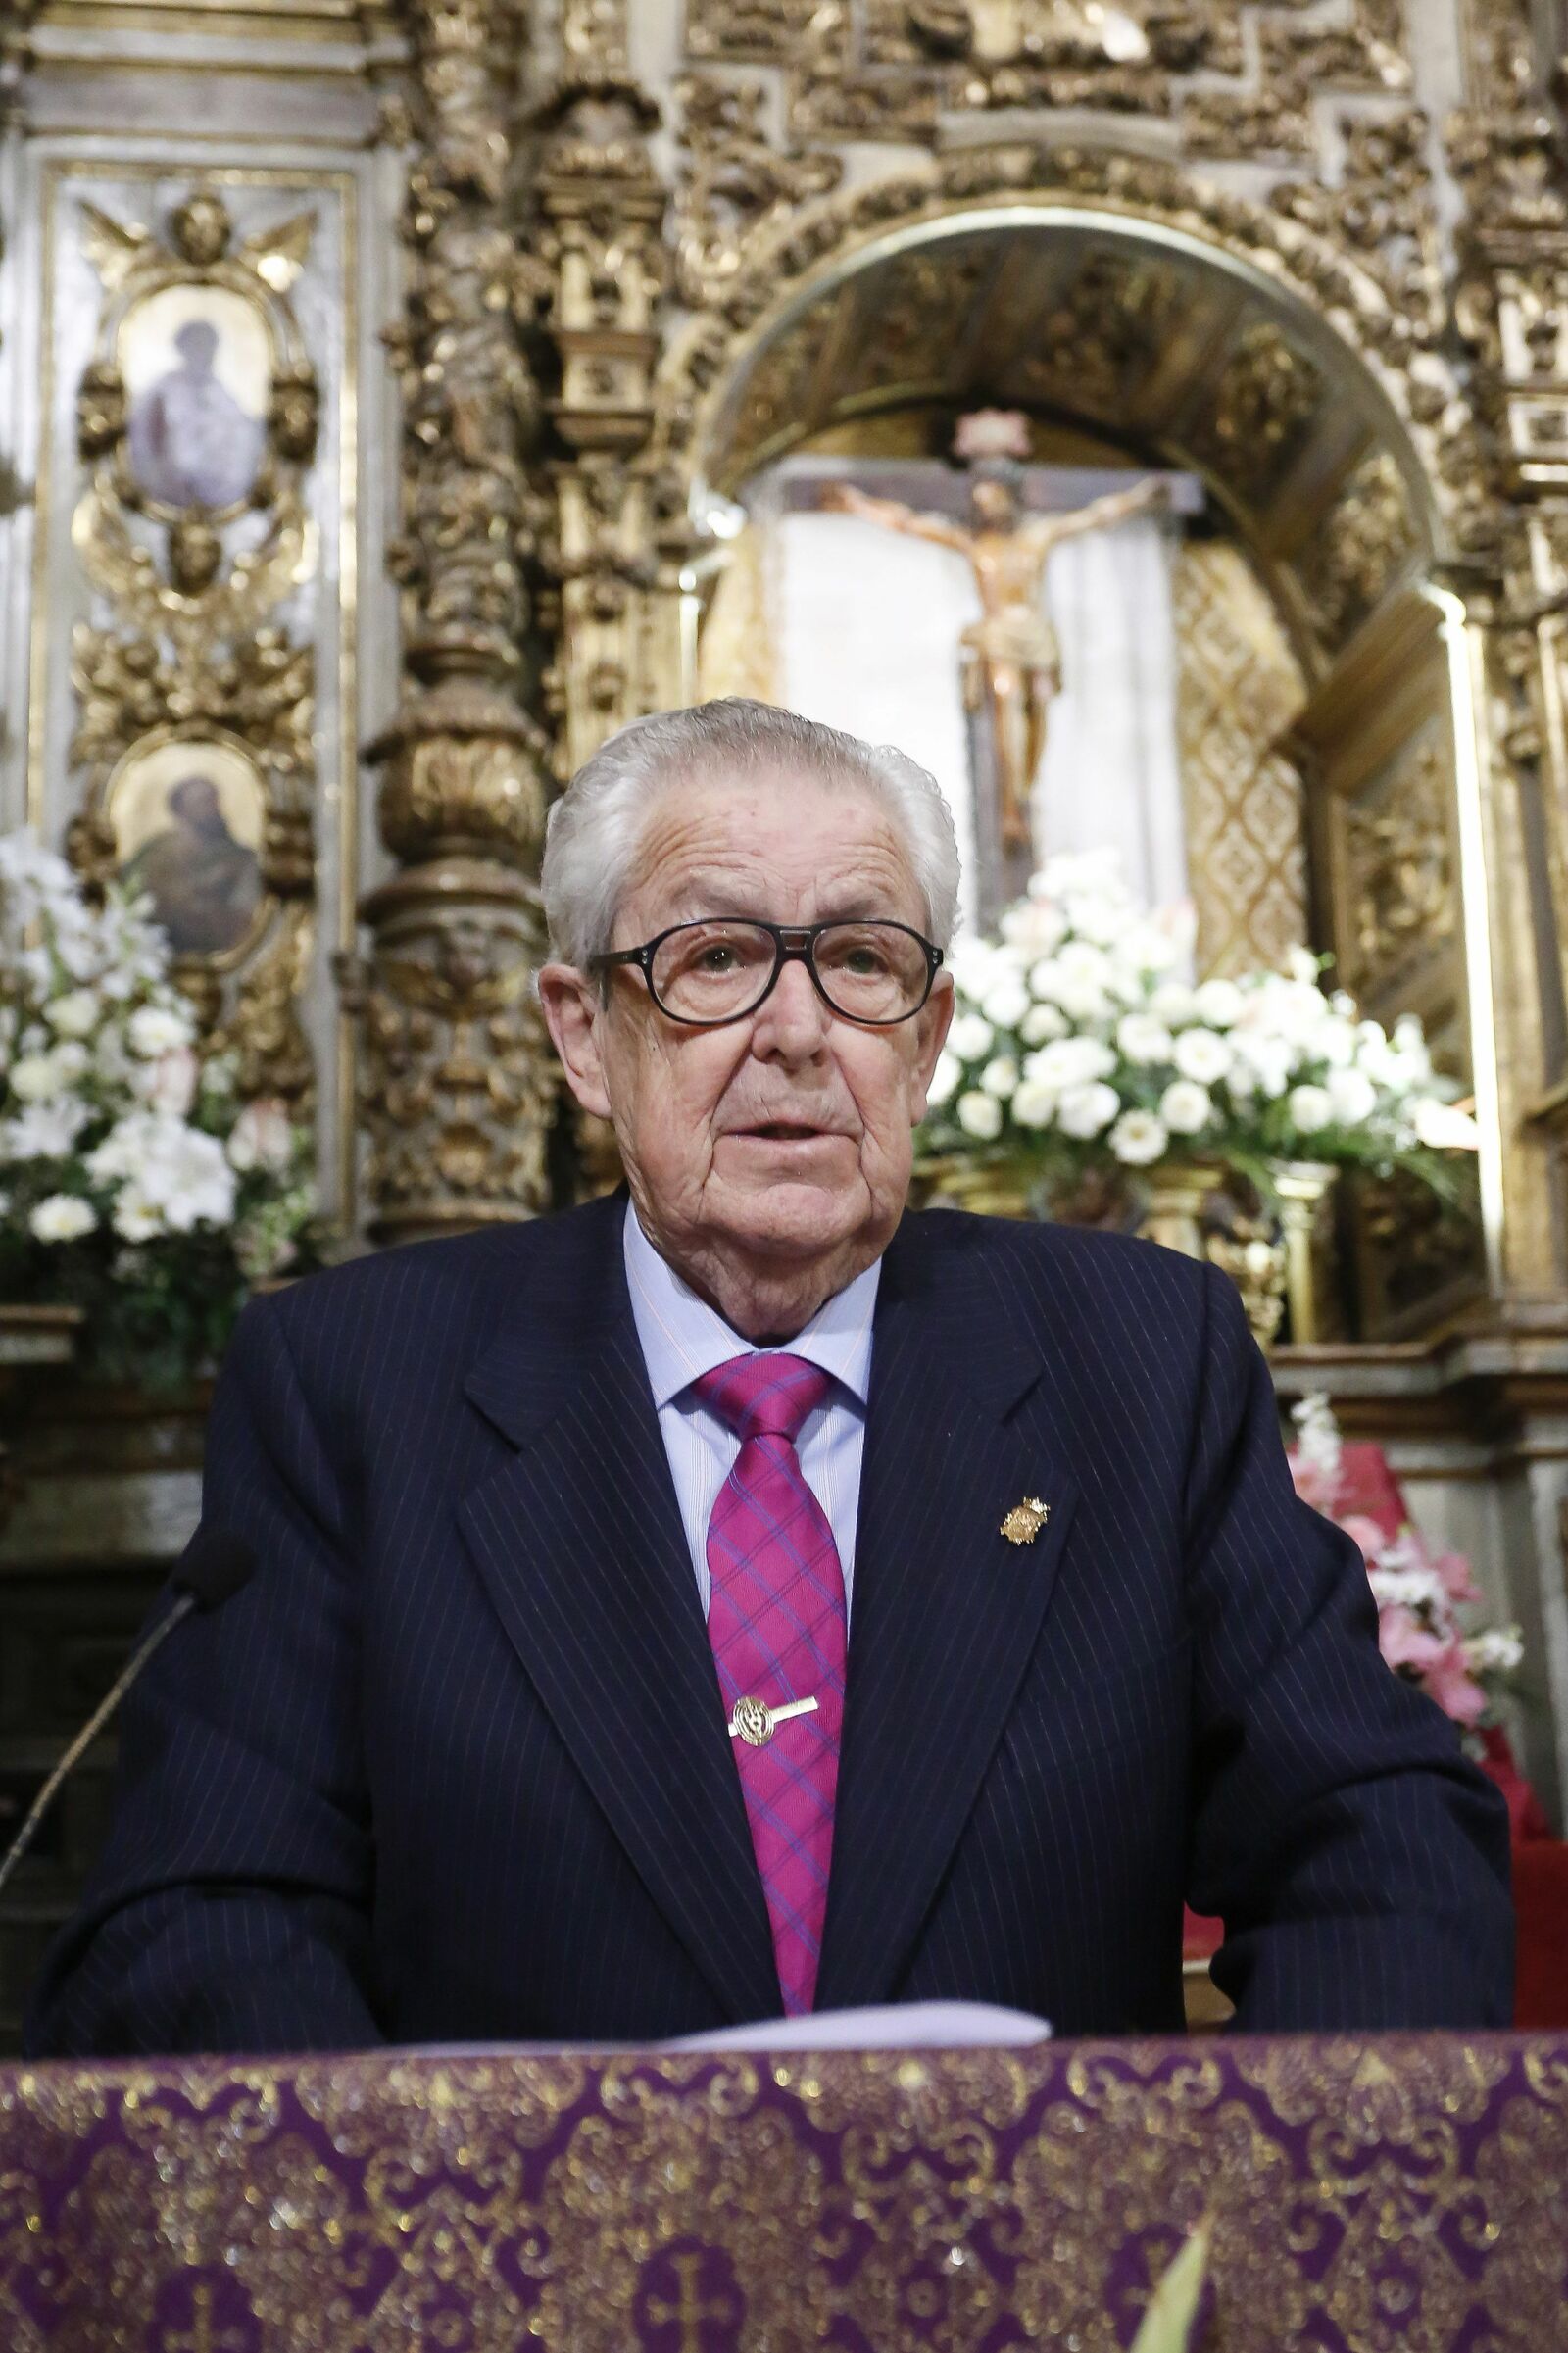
723,968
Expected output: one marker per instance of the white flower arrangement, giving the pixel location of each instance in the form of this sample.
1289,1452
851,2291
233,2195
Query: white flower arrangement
133,1183
1081,1040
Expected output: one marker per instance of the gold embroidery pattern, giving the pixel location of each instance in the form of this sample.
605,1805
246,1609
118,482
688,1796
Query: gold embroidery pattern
1403,2192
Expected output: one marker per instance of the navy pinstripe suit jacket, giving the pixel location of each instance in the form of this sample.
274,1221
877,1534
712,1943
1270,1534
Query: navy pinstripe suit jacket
454,1764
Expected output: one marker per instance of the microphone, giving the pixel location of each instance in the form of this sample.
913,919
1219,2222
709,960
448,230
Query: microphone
215,1564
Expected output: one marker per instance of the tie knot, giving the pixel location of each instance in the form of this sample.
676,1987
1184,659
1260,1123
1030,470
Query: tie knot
767,1395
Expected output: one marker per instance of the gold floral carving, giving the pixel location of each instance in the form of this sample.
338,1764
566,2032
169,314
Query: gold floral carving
1263,123
1098,338
457,1087
1239,689
1401,883
1365,543
1267,399
735,179
186,644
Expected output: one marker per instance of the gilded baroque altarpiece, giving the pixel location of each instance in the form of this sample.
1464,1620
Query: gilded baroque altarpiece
528,291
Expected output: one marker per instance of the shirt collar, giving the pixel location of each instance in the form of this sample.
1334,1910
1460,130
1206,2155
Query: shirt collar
682,1337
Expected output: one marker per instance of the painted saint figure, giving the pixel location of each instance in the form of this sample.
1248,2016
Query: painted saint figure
191,444
1011,661
204,884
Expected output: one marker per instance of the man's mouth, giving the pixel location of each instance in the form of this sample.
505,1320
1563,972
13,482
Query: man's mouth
785,1131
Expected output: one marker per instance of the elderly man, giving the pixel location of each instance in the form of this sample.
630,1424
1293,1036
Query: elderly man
749,1597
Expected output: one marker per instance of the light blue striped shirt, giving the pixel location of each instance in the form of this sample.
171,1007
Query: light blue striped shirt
682,1337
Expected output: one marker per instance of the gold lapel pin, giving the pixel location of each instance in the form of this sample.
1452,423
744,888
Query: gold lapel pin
1025,1520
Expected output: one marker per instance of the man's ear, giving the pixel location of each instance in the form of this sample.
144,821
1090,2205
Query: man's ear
932,1024
571,1007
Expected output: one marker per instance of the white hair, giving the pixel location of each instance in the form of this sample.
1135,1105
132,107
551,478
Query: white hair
596,829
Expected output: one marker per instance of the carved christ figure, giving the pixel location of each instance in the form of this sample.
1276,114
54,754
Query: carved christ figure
1012,660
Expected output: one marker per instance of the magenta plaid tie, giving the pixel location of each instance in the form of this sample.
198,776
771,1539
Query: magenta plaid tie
777,1622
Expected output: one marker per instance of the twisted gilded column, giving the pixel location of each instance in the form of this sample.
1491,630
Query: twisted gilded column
602,206
458,1083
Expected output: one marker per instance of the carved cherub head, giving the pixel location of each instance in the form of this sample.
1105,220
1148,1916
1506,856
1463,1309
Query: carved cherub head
202,229
195,552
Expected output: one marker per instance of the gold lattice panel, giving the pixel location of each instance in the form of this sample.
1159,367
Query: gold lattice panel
1238,688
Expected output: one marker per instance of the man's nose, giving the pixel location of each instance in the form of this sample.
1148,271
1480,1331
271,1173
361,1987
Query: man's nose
793,1022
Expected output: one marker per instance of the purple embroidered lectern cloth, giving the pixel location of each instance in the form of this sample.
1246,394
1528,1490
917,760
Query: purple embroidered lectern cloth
1401,2193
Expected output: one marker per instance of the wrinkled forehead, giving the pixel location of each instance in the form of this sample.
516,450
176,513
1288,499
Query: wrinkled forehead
802,839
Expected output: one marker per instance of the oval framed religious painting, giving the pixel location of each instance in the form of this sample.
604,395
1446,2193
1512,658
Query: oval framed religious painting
197,366
188,813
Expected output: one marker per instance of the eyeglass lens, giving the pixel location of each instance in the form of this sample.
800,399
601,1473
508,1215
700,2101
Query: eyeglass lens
715,971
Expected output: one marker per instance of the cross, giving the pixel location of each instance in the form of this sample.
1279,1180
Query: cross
691,2312
200,2336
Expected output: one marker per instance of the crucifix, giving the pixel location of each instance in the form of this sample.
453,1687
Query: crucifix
1011,664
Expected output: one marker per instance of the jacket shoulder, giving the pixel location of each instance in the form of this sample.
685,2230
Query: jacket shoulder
1079,1262
463,1284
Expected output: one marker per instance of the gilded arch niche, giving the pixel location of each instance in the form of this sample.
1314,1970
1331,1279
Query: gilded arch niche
1190,329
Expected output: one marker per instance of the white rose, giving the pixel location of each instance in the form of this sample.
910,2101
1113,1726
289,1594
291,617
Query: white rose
1036,924
1302,965
262,1136
1143,1038
1084,964
1041,1021
1219,1003
1310,1108
1137,1137
1185,1106
1070,1062
63,1217
1202,1054
1000,1077
980,1116
35,1077
1334,1043
1084,1111
1099,917
970,1036
1006,1006
1035,1104
944,1080
75,1015
1080,1001
135,1217
1442,1127
44,1131
1173,1002
1352,1095
153,1030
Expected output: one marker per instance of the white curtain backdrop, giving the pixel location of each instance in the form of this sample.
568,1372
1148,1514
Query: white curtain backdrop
867,624
1111,774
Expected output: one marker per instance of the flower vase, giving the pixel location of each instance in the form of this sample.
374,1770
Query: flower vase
992,1188
1177,1193
1302,1188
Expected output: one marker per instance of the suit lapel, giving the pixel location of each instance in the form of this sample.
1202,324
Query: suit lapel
580,1542
946,1611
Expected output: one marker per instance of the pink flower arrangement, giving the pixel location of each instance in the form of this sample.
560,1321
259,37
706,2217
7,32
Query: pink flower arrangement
1419,1593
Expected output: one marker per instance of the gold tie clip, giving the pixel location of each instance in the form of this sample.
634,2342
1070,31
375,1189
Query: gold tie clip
754,1722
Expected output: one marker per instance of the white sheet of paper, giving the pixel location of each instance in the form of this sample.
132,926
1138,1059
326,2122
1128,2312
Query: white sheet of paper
893,2026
